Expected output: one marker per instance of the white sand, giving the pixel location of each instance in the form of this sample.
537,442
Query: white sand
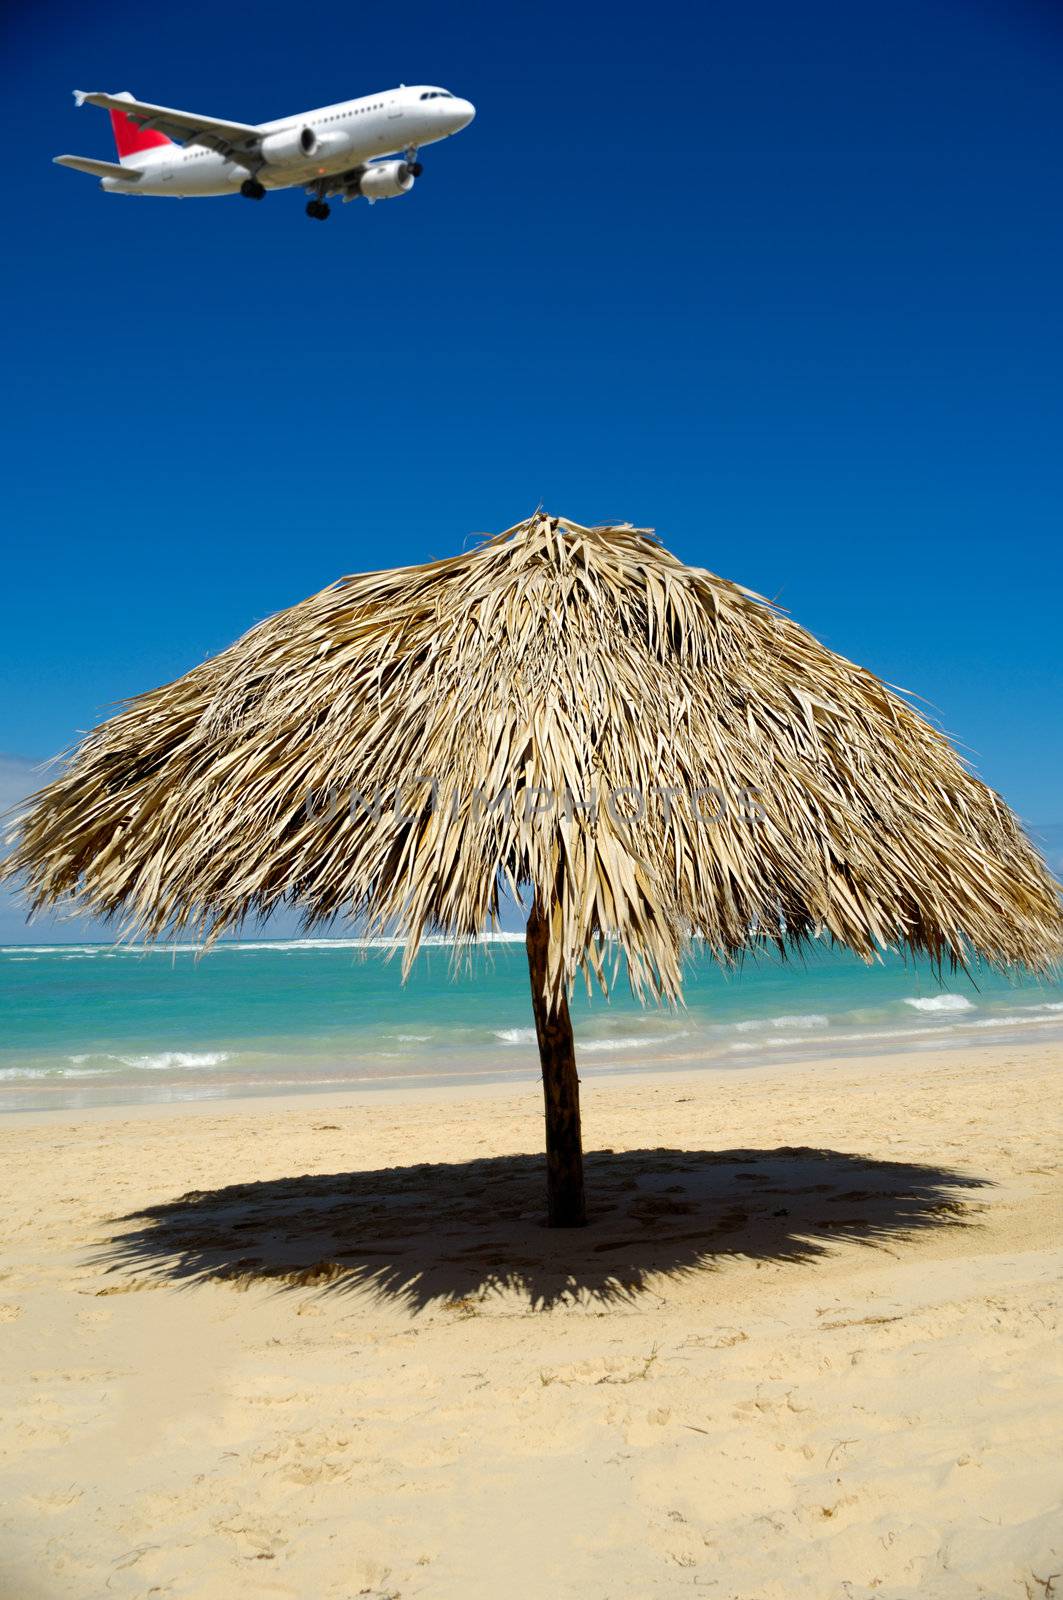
771,1375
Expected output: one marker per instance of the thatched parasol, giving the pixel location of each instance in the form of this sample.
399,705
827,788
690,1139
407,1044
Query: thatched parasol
646,753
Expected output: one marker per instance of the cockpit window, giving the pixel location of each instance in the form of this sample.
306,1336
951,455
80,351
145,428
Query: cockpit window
437,94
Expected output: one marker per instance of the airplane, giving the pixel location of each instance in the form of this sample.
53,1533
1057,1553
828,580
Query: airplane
335,150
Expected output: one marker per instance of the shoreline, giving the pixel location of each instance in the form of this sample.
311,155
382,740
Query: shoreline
198,1089
772,1076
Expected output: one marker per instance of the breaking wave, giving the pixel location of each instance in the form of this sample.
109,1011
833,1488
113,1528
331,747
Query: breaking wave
163,1061
940,1002
813,1019
596,1046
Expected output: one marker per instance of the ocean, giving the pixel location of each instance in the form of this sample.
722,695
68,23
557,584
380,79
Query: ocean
99,1024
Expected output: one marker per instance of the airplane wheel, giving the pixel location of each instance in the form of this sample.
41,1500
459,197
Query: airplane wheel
318,210
251,189
414,168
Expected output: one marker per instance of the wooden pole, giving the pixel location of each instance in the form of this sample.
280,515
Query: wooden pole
557,1054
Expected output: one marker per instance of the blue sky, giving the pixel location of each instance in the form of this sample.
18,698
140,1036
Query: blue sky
782,281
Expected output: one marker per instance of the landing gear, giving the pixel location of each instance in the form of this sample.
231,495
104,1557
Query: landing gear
413,166
251,189
318,210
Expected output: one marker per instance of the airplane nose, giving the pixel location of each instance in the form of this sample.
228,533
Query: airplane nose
464,111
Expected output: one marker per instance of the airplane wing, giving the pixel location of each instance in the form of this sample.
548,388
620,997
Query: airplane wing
98,169
184,127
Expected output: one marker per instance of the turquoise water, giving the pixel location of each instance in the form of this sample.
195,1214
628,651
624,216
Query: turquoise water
90,1024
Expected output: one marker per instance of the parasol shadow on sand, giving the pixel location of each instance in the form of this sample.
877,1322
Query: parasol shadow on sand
462,1233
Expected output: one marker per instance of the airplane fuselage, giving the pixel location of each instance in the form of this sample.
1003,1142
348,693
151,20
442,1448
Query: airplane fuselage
313,148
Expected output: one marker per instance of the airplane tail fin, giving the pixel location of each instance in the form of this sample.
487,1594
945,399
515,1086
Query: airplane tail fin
131,141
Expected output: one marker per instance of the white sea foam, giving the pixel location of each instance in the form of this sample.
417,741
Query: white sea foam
1034,1018
413,1038
836,1038
163,1061
24,1074
16,952
940,1002
594,1046
167,1059
813,1019
164,948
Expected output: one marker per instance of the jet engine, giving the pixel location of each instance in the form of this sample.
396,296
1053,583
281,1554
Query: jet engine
385,179
289,146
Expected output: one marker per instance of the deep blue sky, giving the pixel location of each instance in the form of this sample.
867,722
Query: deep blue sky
782,280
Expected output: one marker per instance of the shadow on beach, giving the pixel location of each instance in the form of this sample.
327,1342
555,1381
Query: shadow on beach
462,1231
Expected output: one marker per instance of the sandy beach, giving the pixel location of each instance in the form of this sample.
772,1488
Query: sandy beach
323,1346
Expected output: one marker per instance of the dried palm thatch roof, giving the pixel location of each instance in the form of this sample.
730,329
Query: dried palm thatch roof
680,760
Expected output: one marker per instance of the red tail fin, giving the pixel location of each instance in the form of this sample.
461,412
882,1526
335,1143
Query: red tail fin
130,139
